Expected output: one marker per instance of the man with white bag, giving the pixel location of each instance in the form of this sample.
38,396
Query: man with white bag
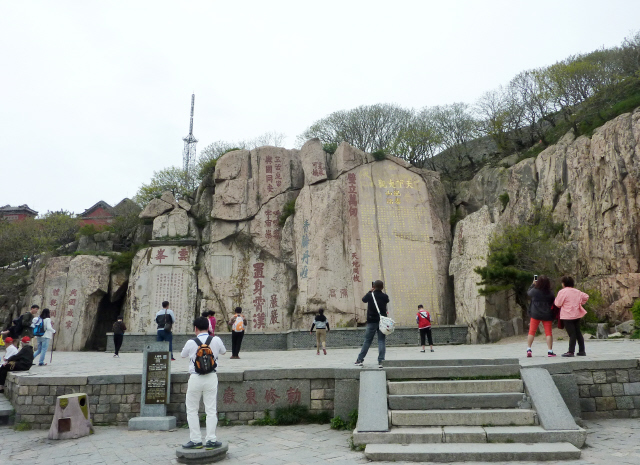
376,301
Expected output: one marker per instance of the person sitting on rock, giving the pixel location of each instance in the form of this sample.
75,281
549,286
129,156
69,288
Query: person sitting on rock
11,349
21,361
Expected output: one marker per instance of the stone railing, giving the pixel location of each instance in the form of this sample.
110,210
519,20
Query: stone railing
242,396
296,339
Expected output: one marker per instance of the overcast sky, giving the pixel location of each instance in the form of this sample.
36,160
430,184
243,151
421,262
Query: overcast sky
95,96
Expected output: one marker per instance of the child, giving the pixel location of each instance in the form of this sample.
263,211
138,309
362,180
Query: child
322,328
11,349
423,318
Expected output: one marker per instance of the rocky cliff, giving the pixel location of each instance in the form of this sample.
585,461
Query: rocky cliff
590,184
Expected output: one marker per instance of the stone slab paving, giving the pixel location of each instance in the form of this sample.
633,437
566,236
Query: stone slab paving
100,363
608,441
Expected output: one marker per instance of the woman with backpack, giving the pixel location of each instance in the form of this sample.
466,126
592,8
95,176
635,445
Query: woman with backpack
44,332
322,328
237,325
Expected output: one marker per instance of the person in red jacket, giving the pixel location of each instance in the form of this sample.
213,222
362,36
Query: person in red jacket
423,318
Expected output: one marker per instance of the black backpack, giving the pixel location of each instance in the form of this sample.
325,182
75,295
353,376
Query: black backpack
204,362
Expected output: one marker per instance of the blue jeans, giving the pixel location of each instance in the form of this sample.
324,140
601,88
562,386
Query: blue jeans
168,337
372,329
43,345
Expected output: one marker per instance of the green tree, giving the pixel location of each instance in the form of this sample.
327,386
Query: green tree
419,141
516,253
30,237
171,179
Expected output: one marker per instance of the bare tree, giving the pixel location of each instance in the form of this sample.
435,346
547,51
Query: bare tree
456,127
369,128
419,140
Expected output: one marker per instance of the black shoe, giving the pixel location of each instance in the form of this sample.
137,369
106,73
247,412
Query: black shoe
582,354
568,354
212,445
192,445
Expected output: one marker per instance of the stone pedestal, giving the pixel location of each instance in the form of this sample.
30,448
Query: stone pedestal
202,455
156,387
71,419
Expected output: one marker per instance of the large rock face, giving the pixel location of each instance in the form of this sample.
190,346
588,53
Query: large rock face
158,274
72,288
489,318
592,186
355,220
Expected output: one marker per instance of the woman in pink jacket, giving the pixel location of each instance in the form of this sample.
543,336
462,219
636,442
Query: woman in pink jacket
570,301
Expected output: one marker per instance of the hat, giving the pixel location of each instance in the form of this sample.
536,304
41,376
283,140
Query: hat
8,340
25,339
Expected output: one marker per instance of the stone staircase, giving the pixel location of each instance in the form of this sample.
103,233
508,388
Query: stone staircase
458,410
7,413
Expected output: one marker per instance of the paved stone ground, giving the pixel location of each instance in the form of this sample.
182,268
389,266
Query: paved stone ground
609,441
98,363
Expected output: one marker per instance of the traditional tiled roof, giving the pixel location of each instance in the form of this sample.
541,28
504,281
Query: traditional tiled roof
101,204
20,209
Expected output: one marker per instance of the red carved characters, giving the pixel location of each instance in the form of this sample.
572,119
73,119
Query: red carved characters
353,195
251,397
259,317
294,396
160,255
229,396
270,396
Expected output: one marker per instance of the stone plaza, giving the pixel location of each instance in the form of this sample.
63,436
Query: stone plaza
605,398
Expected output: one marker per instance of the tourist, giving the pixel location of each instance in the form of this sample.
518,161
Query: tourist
203,386
21,326
165,320
213,321
45,339
570,301
11,348
423,318
375,296
237,323
21,361
118,335
206,315
322,328
37,331
541,311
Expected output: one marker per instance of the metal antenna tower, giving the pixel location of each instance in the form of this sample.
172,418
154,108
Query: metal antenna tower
189,151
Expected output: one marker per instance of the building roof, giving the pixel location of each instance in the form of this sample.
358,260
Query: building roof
101,204
20,209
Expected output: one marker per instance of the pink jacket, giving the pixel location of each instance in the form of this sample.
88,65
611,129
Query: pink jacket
570,300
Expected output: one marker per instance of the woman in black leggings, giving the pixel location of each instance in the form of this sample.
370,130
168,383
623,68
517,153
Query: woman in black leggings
570,301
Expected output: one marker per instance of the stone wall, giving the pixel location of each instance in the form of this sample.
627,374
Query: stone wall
242,396
596,389
336,338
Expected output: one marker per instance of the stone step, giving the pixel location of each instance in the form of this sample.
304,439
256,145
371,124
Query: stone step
454,387
449,362
453,372
7,413
468,417
470,434
456,401
472,452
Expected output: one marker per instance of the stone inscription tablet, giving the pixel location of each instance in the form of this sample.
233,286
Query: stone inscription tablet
157,377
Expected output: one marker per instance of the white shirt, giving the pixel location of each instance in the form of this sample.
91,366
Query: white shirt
11,351
48,329
190,349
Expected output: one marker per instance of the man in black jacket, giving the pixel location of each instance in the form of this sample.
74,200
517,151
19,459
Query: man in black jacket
21,361
373,321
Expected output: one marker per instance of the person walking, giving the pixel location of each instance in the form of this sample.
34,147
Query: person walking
203,386
21,361
322,328
570,301
212,320
423,318
237,323
118,335
541,311
375,299
45,339
165,319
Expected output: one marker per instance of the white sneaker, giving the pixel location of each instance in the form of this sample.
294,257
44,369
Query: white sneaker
358,363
